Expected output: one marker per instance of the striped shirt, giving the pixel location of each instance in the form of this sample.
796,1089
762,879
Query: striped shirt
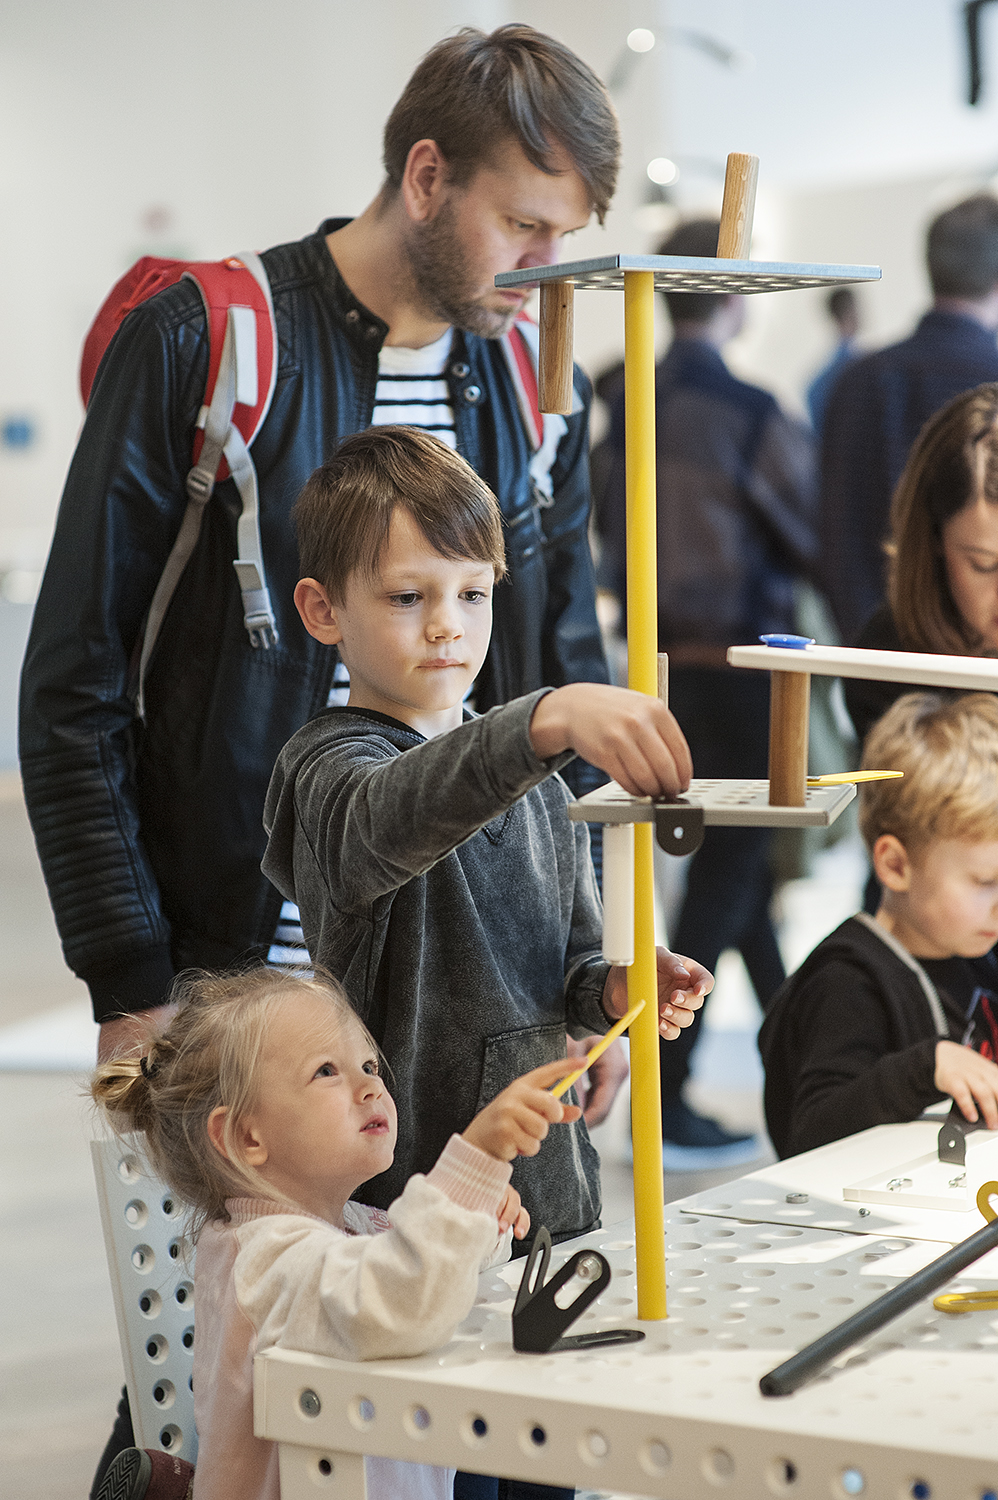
412,390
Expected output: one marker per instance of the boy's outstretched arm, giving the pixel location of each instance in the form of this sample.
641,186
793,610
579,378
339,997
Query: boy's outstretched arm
631,736
682,985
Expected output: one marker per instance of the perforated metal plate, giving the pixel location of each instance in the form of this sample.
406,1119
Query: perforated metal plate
152,1283
684,273
725,803
680,1414
809,1190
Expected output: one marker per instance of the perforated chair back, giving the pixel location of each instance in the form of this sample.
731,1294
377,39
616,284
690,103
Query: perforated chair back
152,1282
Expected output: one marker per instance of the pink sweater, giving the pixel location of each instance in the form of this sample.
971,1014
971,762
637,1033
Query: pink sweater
392,1285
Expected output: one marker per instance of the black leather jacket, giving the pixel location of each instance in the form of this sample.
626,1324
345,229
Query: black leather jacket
150,837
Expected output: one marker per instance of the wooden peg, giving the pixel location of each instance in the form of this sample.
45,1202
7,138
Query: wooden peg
789,705
663,677
734,238
554,373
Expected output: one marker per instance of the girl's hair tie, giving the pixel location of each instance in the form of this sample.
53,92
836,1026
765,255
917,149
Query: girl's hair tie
149,1070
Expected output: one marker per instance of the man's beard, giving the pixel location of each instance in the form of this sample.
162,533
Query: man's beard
441,282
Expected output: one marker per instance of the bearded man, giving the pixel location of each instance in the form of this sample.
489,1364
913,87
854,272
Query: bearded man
150,832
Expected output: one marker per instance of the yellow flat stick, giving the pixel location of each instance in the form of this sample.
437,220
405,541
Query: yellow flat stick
600,1047
842,778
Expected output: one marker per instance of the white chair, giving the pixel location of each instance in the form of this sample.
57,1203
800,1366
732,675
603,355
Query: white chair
151,1268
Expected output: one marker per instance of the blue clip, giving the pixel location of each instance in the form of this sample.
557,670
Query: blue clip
789,642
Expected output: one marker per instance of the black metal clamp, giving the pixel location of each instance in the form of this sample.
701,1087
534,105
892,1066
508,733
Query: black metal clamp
953,1135
679,827
538,1321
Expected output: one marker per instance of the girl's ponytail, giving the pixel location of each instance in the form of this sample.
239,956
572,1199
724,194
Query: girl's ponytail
123,1090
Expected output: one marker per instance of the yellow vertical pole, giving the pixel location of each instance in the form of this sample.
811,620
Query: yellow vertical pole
642,675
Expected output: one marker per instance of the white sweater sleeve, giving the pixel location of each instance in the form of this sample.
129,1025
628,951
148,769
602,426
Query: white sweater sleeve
306,1285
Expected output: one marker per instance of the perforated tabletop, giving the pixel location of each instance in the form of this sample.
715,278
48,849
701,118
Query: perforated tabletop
680,1414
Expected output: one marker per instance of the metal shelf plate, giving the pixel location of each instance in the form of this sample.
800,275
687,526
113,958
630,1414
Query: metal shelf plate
725,803
684,273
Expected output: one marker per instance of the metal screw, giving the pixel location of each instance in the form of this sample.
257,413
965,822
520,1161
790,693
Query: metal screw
958,1181
310,1403
897,1183
797,1198
589,1268
864,1213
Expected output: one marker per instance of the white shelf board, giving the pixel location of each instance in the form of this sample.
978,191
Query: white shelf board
920,668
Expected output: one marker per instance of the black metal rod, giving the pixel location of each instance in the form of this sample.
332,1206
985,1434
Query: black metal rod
810,1361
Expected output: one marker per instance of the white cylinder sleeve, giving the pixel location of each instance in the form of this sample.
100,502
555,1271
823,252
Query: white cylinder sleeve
618,893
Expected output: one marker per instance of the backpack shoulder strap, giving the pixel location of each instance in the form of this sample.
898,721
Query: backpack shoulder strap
242,373
521,346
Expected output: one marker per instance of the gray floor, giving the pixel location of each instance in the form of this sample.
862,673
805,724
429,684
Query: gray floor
60,1369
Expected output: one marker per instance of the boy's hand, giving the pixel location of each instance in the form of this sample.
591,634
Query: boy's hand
967,1076
511,1212
517,1120
599,1087
631,736
682,985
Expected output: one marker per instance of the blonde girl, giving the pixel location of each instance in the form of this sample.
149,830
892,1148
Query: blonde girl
264,1108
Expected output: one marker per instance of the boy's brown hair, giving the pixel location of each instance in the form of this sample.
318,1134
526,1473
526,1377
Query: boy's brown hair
344,513
947,746
472,92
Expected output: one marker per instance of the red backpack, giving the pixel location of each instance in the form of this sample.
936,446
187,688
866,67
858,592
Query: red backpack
242,372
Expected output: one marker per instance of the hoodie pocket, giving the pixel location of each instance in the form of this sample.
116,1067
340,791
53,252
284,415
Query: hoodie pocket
560,1185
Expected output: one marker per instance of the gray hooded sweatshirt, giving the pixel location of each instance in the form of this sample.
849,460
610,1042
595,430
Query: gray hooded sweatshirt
442,882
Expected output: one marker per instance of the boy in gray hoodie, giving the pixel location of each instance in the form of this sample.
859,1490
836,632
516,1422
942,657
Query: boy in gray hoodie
429,850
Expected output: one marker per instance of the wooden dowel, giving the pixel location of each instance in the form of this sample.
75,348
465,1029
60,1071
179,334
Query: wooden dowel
734,240
789,703
554,365
663,677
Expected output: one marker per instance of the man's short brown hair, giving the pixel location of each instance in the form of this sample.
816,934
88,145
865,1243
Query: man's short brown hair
947,746
962,249
344,513
473,92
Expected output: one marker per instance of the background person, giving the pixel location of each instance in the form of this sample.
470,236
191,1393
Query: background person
843,310
880,403
736,530
942,574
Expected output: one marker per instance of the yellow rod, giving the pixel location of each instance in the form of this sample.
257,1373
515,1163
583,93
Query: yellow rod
594,1052
642,675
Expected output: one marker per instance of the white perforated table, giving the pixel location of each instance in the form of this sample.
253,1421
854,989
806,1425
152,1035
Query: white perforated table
680,1415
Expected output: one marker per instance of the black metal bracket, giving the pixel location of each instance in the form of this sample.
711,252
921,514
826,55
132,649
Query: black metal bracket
538,1321
678,827
972,24
953,1137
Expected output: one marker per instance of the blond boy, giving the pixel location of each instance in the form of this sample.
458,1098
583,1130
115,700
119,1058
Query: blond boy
894,1012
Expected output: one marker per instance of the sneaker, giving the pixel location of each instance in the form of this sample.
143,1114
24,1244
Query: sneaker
147,1474
692,1142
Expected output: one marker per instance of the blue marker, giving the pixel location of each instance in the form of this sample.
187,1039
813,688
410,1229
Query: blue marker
789,642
